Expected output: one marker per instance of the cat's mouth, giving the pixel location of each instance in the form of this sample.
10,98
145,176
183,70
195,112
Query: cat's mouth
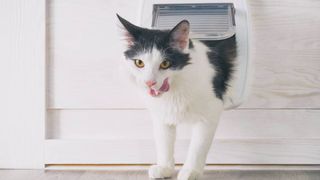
164,88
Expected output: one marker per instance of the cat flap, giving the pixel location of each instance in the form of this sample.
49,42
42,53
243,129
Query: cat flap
209,21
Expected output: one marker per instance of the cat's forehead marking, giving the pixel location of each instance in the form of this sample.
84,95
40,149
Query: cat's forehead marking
153,56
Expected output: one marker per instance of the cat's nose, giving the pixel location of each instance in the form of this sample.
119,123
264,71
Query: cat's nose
150,83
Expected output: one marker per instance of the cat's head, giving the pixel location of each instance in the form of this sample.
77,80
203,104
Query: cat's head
155,57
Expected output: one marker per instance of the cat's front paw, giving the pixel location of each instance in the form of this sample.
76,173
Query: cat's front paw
188,174
156,171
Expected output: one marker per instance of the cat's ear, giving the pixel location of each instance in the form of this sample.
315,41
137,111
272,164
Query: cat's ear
179,35
132,32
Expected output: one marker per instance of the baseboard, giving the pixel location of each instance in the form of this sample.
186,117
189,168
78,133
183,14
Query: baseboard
208,167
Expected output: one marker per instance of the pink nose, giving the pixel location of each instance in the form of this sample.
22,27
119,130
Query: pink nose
151,83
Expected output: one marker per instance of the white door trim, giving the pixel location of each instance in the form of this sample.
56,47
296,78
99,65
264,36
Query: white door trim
22,77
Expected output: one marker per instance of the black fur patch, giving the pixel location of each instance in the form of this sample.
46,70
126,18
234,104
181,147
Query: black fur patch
221,56
159,40
145,40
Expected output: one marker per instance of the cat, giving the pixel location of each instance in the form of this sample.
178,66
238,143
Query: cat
183,81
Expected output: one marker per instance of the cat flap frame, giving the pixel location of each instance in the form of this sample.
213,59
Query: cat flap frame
209,20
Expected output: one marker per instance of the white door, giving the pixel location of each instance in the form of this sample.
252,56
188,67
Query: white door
95,115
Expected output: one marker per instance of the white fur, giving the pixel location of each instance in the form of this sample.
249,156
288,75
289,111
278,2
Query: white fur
190,99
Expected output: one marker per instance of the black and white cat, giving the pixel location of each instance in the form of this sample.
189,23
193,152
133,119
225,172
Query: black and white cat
183,80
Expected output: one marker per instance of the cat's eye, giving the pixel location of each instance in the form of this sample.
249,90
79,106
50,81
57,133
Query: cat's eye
165,64
139,63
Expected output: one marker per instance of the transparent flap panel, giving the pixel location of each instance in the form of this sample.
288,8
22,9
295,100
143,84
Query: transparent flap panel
210,21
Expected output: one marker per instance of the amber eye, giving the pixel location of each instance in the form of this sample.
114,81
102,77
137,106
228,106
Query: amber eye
165,64
139,63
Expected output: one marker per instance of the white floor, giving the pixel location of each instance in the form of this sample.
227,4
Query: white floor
142,175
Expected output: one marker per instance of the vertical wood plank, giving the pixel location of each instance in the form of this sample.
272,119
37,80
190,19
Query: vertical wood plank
22,77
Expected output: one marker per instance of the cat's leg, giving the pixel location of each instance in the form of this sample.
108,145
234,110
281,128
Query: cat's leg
164,138
201,140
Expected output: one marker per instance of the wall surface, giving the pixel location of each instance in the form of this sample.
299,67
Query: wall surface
92,119
286,54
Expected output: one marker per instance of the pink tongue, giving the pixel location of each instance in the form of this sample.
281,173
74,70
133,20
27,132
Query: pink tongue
165,86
